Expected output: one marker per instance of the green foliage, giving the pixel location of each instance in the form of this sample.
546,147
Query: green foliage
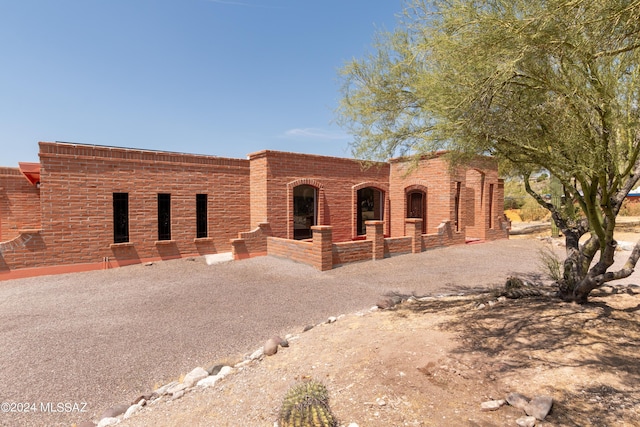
306,405
550,263
541,85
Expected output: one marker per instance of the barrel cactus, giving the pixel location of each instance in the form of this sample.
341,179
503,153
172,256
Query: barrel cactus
306,405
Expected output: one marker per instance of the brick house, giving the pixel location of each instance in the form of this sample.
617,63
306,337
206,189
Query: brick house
86,207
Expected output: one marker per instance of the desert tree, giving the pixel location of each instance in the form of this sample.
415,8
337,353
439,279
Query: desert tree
541,85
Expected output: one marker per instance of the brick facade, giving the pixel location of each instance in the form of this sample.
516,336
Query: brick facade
68,218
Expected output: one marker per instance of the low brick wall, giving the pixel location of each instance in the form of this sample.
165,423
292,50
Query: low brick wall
20,251
346,252
296,250
397,245
321,253
251,243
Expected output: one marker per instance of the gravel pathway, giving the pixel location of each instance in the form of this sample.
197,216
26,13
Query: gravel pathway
105,337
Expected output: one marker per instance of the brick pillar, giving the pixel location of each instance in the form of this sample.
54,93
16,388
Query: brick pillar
414,230
375,233
322,247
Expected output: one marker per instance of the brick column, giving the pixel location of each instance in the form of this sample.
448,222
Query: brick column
375,233
322,247
414,230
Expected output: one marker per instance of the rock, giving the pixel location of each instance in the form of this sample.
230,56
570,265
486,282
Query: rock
211,380
177,388
385,303
353,425
226,370
208,382
177,395
526,422
332,319
215,369
539,407
132,410
257,354
307,328
114,411
281,341
270,347
194,376
145,397
492,405
109,421
163,390
480,306
517,400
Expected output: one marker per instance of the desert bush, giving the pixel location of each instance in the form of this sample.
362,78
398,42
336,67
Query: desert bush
532,211
550,263
630,208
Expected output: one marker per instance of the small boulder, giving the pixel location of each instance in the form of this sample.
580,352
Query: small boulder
194,376
517,400
526,422
213,370
492,405
539,407
270,347
281,341
145,397
132,410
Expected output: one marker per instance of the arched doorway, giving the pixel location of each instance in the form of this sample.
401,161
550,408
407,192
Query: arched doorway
305,211
370,207
417,207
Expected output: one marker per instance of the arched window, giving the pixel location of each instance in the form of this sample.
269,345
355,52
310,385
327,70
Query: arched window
305,211
370,207
417,207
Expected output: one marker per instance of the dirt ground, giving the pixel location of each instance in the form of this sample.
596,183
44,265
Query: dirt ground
433,361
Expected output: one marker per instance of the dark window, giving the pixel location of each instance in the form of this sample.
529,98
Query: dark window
456,206
304,211
120,217
369,207
164,216
490,205
417,207
201,215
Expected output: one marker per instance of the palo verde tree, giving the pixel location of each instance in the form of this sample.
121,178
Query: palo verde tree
539,84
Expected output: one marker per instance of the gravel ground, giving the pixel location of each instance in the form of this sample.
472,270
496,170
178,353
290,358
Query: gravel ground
103,338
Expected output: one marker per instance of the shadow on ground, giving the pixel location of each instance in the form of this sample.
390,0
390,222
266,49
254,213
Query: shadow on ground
585,356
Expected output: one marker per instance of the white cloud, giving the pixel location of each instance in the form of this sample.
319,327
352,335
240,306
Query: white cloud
315,133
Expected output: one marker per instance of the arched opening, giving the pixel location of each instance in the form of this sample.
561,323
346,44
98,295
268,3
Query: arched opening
370,207
417,207
305,211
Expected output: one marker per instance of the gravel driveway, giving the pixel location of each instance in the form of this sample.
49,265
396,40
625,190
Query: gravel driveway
105,337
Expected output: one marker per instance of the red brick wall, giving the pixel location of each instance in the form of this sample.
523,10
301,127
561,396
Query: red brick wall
274,175
19,204
73,207
77,186
431,176
434,176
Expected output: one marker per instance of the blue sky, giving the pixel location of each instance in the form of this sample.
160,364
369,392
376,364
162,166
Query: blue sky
219,77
